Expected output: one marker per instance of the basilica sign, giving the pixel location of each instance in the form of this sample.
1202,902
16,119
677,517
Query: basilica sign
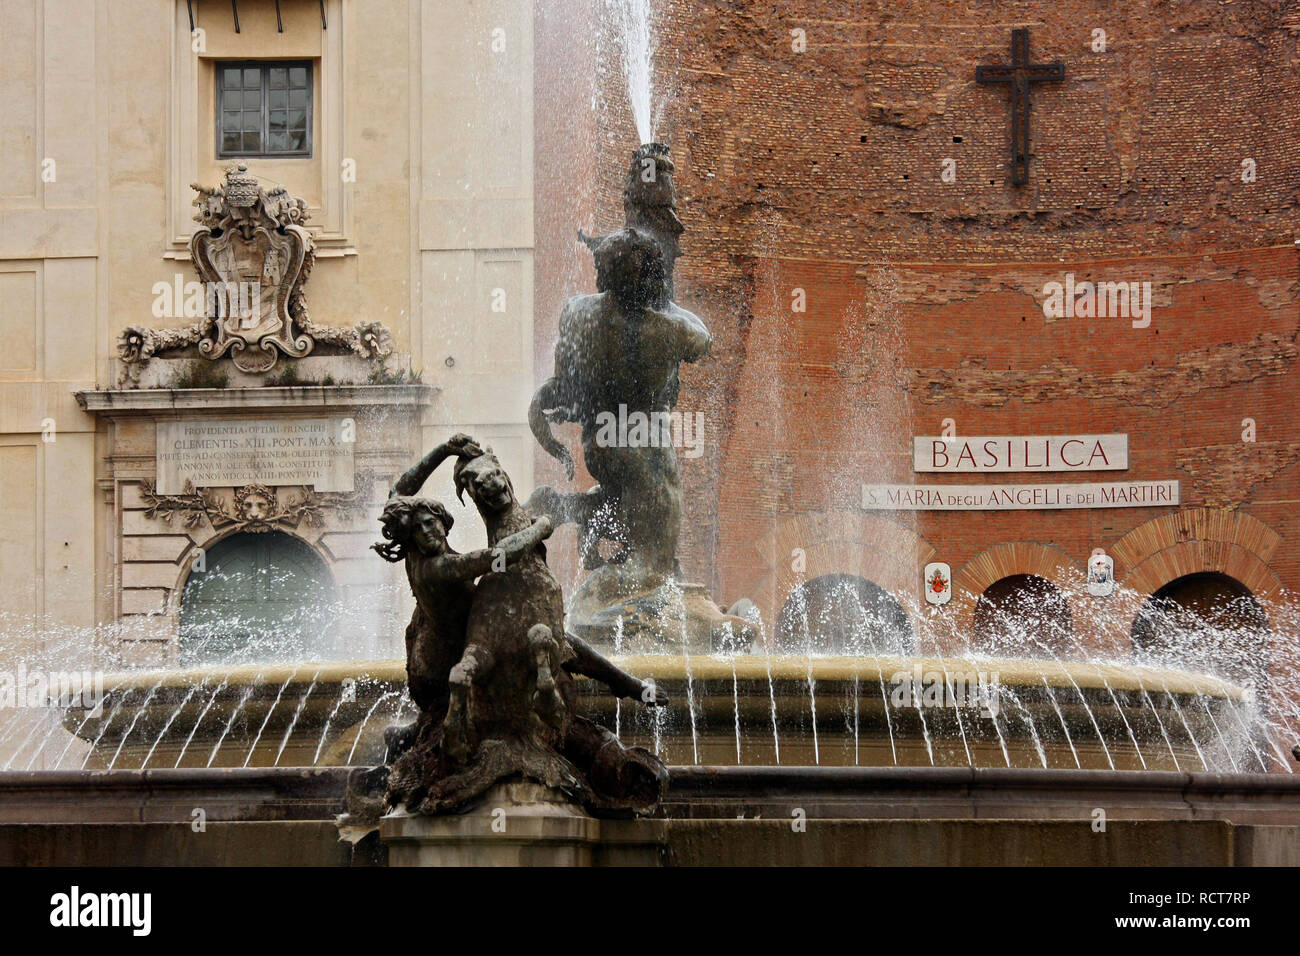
994,453
313,452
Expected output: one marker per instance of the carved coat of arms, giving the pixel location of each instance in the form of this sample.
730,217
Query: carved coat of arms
254,253
938,583
1101,573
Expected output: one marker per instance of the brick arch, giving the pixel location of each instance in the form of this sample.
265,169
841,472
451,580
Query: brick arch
840,542
1191,557
1001,561
1194,540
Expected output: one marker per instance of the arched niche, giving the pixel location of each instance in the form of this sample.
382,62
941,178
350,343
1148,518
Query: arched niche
1022,615
1206,620
260,596
843,614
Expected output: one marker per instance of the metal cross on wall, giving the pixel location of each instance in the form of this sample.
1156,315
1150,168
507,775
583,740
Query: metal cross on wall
1020,74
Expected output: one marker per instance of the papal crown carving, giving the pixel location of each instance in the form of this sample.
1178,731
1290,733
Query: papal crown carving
242,189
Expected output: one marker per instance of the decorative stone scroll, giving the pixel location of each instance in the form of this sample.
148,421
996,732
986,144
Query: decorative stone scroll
253,255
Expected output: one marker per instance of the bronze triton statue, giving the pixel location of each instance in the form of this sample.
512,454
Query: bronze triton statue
616,375
616,361
489,664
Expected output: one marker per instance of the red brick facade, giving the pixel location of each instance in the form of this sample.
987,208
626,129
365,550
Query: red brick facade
822,171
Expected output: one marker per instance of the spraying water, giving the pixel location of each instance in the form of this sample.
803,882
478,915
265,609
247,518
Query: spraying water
631,20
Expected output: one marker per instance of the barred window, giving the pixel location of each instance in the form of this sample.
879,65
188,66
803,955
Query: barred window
264,108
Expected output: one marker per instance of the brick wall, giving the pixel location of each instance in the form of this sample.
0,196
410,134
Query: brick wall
821,171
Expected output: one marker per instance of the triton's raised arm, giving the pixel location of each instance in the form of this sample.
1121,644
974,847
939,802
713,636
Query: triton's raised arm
413,478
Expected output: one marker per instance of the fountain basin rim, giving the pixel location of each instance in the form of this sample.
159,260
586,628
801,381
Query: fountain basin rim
1012,672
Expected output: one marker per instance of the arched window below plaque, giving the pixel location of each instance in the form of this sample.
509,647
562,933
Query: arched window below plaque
1023,615
261,597
1205,621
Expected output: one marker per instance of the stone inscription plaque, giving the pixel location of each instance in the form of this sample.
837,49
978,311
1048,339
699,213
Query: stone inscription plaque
298,451
1104,494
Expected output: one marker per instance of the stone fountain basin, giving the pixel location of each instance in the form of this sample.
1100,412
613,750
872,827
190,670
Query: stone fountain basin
748,709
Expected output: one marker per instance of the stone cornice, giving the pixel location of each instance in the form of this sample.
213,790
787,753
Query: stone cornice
128,402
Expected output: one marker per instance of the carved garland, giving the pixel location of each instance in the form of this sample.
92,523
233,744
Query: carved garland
255,508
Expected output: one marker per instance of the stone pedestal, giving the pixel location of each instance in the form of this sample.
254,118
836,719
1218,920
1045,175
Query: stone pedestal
521,824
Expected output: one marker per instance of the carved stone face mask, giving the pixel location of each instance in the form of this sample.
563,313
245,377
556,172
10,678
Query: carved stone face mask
256,508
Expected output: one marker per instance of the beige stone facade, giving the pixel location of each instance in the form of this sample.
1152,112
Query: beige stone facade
419,190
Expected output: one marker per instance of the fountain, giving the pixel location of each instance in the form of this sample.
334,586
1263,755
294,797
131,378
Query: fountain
637,692
846,686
